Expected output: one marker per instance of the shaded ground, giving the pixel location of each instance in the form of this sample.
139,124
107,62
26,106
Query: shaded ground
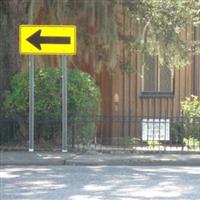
99,182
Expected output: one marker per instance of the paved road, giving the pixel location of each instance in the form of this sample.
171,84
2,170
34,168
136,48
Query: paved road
99,183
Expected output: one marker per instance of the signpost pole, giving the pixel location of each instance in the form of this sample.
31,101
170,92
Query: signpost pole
64,103
47,40
31,103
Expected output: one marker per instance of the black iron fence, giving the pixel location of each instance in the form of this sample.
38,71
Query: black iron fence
103,133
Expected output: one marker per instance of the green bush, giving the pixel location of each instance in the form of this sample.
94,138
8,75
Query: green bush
83,96
176,132
192,143
47,86
190,108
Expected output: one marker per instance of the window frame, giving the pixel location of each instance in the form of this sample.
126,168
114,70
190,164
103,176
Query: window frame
157,93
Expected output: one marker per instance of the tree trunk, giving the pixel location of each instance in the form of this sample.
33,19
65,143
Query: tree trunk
12,14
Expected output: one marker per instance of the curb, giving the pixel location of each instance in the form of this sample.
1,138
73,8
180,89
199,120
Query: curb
102,163
45,159
37,163
133,163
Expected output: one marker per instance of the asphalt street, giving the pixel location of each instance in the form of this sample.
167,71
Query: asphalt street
99,182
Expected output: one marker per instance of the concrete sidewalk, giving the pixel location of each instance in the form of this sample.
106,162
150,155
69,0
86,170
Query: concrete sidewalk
95,158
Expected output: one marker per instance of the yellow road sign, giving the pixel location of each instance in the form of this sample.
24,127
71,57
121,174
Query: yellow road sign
47,39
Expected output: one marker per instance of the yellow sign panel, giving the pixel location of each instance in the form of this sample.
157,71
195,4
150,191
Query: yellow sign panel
47,39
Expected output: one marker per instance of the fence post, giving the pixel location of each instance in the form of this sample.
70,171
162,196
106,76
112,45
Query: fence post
73,133
182,128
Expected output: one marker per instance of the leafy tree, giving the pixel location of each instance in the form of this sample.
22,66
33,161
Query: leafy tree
160,22
12,14
160,25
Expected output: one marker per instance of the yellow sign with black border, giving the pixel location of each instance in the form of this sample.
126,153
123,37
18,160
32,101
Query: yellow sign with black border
47,39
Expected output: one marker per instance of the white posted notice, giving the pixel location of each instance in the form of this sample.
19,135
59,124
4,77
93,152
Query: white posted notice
155,129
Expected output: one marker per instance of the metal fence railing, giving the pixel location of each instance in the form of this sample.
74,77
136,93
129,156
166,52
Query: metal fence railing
104,133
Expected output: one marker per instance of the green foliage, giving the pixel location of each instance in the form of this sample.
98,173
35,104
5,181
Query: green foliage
83,98
47,92
186,132
16,100
192,143
190,108
177,132
87,133
135,141
83,94
160,24
153,143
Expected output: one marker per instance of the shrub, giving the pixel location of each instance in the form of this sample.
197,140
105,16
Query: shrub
83,97
192,143
190,108
177,131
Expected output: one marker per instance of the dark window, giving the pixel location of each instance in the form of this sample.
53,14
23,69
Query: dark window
156,78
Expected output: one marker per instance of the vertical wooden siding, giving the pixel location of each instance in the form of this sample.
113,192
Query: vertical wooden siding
128,87
133,104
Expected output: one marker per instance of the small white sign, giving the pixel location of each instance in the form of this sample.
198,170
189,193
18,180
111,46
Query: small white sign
155,129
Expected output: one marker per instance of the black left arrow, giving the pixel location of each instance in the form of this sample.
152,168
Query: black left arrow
36,39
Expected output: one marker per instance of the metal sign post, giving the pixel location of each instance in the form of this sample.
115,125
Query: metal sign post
47,40
64,103
31,103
